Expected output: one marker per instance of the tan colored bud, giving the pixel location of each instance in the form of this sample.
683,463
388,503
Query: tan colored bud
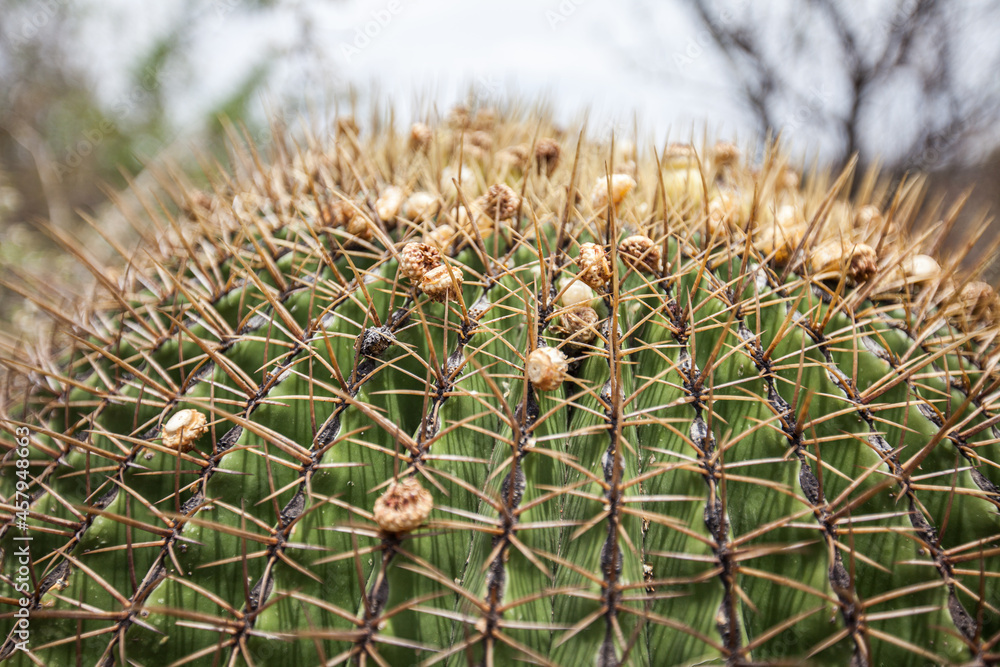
858,260
485,119
500,202
680,156
546,368
388,204
921,268
621,185
416,259
449,175
183,428
338,213
403,507
781,235
788,180
547,153
724,154
442,282
979,300
458,117
579,324
514,157
359,227
577,294
420,137
419,206
595,270
683,185
480,139
640,253
440,237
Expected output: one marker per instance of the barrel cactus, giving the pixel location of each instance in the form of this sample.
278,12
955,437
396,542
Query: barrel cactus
491,392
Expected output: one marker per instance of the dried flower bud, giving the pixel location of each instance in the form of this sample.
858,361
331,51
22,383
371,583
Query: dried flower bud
547,155
440,237
485,119
859,260
416,259
640,253
579,324
338,213
979,300
921,268
183,428
419,206
451,174
388,204
359,227
442,282
595,269
577,294
500,202
683,185
725,154
546,368
868,217
788,180
514,157
458,118
403,507
621,185
480,139
420,137
780,236
680,156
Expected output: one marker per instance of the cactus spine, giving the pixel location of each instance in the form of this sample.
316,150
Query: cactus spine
493,392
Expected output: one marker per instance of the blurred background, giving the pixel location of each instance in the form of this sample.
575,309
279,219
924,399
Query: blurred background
92,92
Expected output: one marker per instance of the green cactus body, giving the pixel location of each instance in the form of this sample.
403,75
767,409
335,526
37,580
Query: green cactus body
759,457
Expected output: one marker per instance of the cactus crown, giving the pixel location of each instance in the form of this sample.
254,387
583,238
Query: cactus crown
492,392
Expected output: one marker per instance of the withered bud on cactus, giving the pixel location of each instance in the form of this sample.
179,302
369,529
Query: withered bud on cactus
514,157
595,269
679,156
980,300
621,185
724,154
442,282
183,428
546,367
458,117
403,507
419,206
577,293
922,268
389,203
338,213
547,152
420,137
441,237
858,260
639,252
480,139
579,324
416,259
485,119
500,202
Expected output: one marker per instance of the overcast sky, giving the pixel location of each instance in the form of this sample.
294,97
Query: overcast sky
649,60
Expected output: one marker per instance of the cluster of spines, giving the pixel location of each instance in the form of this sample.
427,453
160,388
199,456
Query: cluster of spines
334,189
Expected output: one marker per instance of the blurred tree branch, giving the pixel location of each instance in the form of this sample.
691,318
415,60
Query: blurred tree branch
914,46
